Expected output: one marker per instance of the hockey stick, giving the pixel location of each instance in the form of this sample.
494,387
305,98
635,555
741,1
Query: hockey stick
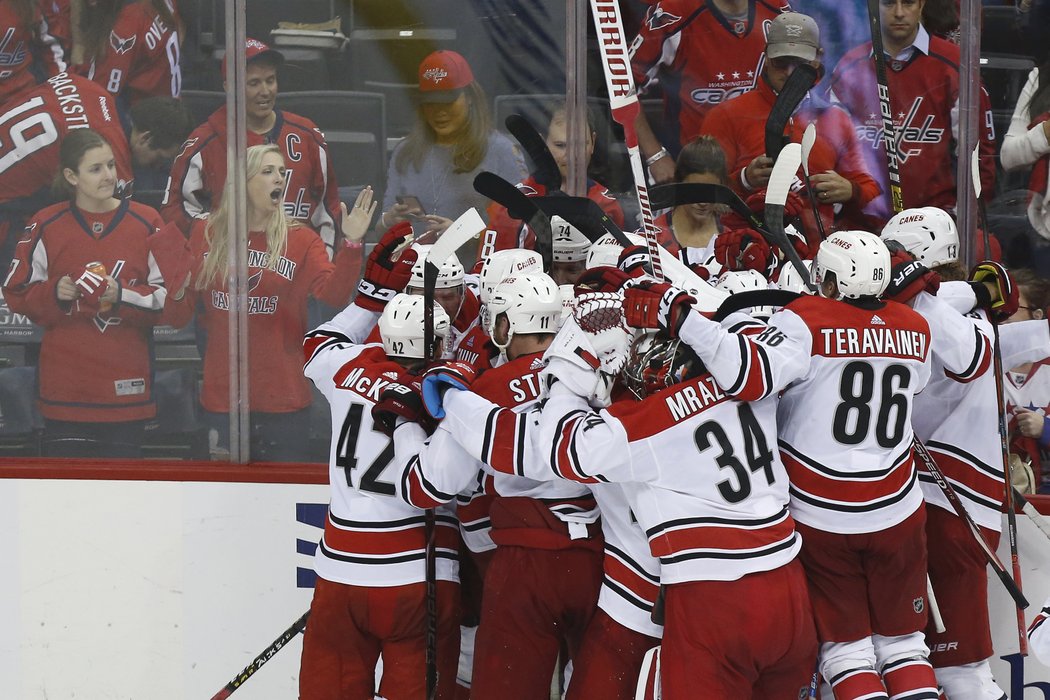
648,687
467,226
889,130
789,98
535,148
267,654
935,609
623,101
676,194
1034,515
957,505
809,137
780,180
754,297
519,206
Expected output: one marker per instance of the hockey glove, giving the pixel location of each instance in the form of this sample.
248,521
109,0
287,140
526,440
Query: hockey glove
401,401
744,249
656,305
601,279
633,261
439,379
91,287
908,277
1002,300
384,276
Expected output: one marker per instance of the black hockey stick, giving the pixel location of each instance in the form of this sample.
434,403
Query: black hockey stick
676,194
583,214
809,137
789,98
267,654
780,180
889,130
431,268
519,206
754,297
942,482
535,148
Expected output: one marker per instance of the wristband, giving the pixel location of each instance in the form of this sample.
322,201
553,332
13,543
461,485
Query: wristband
662,153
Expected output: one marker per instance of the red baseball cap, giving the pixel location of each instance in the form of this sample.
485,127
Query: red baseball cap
443,75
255,49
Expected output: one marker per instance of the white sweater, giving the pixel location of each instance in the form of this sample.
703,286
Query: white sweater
1023,146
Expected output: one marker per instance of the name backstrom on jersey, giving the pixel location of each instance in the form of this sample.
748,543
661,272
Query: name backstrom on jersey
898,342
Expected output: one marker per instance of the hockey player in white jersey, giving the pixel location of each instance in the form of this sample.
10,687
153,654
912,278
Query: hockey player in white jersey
737,612
848,365
541,583
369,596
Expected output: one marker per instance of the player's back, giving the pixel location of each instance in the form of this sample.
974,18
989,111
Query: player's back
372,537
845,427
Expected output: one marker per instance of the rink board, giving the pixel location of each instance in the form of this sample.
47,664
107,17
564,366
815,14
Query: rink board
117,588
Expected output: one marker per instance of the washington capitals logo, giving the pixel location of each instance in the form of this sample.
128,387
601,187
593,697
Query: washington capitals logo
658,19
119,44
12,55
435,75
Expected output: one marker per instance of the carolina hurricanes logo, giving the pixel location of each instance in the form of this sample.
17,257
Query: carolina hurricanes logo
658,19
119,44
254,280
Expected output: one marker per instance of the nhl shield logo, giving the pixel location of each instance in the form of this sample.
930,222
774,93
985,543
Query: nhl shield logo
918,605
96,227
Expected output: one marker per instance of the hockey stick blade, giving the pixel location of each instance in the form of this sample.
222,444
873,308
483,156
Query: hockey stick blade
799,83
755,297
1034,515
780,180
257,663
519,206
584,214
535,148
676,194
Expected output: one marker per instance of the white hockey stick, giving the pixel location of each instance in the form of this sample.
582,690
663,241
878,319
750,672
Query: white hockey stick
784,170
646,690
935,610
623,100
809,137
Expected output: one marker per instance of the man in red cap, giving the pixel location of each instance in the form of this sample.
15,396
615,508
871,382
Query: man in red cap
199,172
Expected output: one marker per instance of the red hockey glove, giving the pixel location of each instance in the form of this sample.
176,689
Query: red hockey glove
91,287
401,401
793,207
601,279
384,277
908,277
744,249
1003,302
633,260
656,305
439,379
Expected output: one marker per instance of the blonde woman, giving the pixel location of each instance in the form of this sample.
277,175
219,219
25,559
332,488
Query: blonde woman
287,264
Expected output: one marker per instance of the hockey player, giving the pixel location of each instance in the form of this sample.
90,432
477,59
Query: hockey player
199,173
369,596
702,54
849,366
726,546
542,582
570,248
459,303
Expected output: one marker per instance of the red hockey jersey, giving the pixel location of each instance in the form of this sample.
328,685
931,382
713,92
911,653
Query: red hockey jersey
924,92
141,56
20,47
700,58
276,317
94,366
32,130
310,192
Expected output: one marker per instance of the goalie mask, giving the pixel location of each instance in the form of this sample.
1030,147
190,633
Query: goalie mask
530,302
928,233
657,362
401,328
859,260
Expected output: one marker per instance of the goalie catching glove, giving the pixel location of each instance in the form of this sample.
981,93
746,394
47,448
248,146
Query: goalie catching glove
656,305
384,276
439,379
401,401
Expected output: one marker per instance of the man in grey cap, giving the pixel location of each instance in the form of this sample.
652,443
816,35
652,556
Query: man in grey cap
839,175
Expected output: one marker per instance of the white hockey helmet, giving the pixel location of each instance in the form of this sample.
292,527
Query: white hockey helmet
531,302
506,263
790,281
401,326
928,233
450,274
859,260
745,281
568,243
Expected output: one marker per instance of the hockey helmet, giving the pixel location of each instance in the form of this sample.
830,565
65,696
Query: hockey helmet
859,260
450,274
657,362
531,302
928,233
568,243
401,327
506,263
745,281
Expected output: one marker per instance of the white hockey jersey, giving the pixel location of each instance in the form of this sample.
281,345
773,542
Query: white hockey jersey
371,537
848,376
